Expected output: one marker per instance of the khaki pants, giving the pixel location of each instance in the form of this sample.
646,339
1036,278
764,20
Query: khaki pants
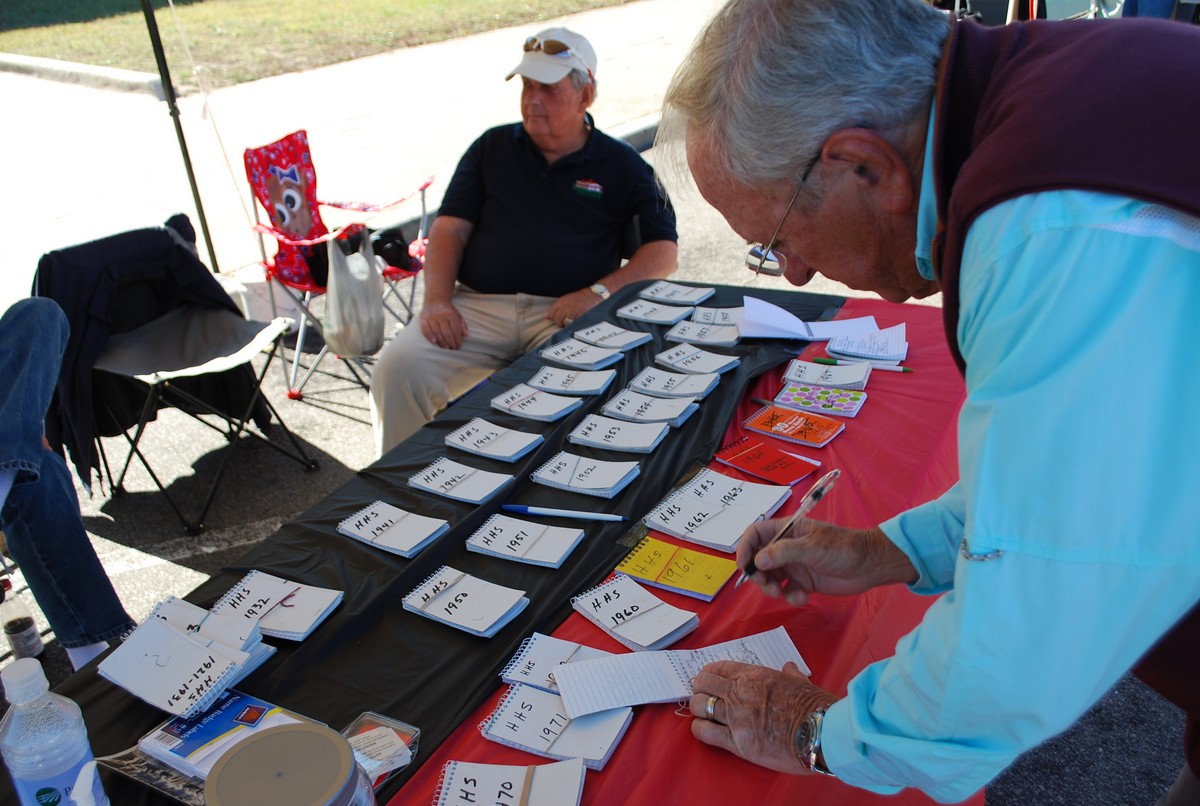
414,379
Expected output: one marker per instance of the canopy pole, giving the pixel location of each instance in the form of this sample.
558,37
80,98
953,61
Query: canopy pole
164,74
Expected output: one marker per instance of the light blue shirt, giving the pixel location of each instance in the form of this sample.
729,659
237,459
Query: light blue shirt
1079,457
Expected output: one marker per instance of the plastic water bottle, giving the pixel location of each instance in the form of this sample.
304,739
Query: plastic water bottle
43,739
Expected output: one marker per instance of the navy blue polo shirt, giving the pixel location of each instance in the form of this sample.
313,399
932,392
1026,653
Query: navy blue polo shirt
550,229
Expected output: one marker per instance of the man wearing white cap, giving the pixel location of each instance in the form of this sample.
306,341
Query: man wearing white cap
528,238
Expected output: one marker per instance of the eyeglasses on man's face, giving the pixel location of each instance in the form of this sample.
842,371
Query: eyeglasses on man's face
763,258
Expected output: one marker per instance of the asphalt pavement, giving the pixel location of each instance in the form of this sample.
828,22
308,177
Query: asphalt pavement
83,159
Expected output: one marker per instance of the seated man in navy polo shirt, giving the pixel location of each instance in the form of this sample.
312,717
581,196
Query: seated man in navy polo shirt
527,239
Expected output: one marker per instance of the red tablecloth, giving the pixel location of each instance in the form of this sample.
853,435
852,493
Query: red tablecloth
898,452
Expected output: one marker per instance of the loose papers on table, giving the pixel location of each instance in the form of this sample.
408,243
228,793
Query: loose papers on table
601,684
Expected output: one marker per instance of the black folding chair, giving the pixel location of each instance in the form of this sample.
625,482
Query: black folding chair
151,327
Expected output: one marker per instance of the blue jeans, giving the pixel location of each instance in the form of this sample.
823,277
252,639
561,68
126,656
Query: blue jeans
40,517
1148,8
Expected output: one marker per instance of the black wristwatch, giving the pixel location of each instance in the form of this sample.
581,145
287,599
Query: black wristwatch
808,742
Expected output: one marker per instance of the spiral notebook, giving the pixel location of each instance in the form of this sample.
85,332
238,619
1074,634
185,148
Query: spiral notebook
466,602
654,313
171,670
579,474
618,435
801,427
572,381
661,383
633,615
826,400
537,660
534,404
713,509
718,316
211,629
638,408
580,355
759,458
393,529
690,332
675,293
536,721
677,568
606,334
601,684
484,438
284,609
451,479
511,538
467,783
690,358
841,376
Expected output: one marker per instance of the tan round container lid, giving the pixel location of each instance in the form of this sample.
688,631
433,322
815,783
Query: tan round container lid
299,764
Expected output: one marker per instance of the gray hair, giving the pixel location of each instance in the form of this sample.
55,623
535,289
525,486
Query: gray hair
580,79
767,81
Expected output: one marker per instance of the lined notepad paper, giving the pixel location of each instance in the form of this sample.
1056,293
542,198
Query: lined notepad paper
600,684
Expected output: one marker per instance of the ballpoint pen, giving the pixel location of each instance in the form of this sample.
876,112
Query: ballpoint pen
810,500
562,513
843,363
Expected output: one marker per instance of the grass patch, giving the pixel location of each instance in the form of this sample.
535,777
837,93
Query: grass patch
233,41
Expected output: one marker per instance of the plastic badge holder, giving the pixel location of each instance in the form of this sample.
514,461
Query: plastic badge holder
380,769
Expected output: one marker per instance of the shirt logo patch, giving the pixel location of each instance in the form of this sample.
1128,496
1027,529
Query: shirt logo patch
588,187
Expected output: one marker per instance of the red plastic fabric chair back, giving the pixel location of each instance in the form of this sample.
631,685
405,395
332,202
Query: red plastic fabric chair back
285,183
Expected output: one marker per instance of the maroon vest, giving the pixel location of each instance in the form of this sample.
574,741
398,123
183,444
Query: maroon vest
1093,105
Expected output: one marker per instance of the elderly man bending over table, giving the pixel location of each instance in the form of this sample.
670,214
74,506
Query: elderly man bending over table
527,239
884,144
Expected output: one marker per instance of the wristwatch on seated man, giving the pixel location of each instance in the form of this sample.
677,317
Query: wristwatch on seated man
807,742
600,290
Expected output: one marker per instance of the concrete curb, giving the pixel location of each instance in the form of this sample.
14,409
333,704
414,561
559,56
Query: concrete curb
113,78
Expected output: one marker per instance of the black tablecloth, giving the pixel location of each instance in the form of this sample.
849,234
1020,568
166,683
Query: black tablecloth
370,654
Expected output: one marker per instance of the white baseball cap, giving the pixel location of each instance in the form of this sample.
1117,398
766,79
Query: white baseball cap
554,52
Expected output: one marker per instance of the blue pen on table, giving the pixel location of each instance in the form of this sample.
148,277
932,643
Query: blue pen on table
810,500
563,513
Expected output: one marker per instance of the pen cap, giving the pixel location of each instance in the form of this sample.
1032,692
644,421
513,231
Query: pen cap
300,763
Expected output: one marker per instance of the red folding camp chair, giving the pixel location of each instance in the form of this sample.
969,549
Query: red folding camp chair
284,181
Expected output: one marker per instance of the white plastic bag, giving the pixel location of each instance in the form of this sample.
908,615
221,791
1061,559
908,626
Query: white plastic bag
354,307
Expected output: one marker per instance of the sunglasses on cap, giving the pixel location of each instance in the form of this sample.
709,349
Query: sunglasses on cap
551,47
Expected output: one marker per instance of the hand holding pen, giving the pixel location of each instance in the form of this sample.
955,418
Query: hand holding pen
810,500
